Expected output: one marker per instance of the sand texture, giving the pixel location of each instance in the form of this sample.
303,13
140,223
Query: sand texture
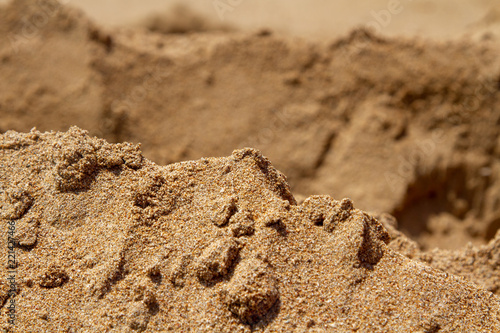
392,124
136,203
109,241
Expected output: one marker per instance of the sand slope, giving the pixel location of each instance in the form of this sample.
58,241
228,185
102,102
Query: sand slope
407,128
110,241
393,124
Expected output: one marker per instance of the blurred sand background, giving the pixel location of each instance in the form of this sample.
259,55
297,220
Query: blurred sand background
316,19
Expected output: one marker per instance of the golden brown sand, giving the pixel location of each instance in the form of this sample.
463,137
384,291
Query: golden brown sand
392,124
109,241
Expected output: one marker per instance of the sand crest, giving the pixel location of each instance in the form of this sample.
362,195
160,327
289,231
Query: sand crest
141,247
152,215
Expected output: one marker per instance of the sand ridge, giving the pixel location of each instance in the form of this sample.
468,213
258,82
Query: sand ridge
217,245
393,136
161,218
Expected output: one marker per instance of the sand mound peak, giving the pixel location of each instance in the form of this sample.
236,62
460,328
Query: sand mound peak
418,118
158,244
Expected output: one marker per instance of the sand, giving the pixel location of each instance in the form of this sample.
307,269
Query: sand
386,220
109,241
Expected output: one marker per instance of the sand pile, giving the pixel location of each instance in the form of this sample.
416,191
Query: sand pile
109,241
391,123
408,129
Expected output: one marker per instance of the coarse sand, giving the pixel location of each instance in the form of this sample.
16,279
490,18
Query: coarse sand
111,242
404,126
387,221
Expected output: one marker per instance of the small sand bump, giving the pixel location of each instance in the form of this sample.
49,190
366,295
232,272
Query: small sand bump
272,218
27,232
340,213
372,238
78,157
242,224
322,210
155,270
14,202
53,277
10,139
252,291
178,270
138,316
75,159
224,210
276,179
346,204
153,199
217,259
130,155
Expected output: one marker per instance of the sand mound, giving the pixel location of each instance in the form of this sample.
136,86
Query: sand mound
109,241
391,123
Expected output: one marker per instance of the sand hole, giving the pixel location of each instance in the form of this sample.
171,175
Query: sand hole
445,207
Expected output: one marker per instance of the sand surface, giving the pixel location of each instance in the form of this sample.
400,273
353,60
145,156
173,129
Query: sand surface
111,242
386,220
